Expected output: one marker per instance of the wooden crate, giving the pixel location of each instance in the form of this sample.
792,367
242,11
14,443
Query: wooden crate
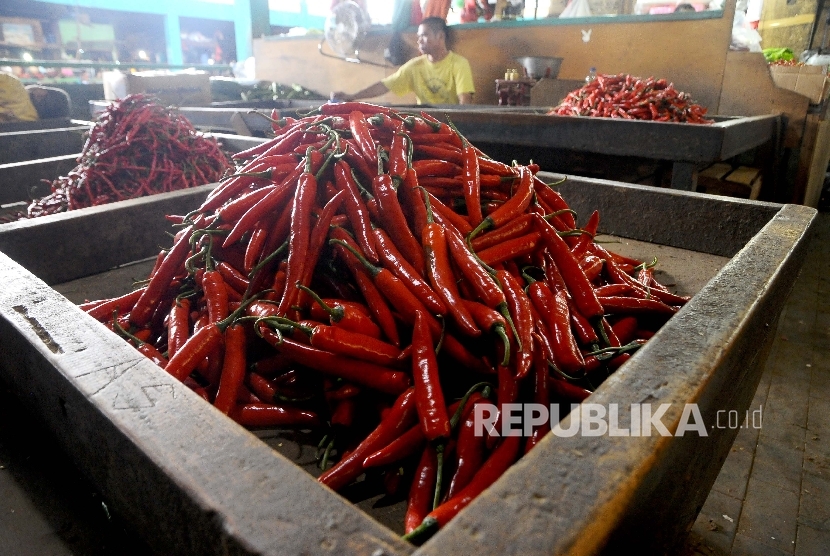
193,482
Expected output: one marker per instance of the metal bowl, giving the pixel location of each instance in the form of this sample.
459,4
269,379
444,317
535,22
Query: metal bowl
537,67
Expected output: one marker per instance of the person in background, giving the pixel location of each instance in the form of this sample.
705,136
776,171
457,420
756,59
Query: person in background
684,8
15,105
438,76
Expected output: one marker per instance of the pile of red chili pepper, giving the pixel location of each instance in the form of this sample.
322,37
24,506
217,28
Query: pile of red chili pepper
137,147
631,98
373,276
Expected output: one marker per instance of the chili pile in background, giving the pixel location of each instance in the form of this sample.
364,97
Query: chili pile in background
631,98
341,281
136,147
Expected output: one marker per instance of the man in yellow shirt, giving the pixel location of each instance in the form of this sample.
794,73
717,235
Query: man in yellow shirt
15,104
438,76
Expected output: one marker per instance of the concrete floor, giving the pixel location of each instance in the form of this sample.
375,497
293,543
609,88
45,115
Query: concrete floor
772,496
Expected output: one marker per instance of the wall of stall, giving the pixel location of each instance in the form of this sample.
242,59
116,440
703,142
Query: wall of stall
690,51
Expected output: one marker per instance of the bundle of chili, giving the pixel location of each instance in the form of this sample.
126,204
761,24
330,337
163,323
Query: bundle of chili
632,98
366,300
137,147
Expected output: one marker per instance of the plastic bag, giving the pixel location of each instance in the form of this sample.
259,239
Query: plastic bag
576,8
743,36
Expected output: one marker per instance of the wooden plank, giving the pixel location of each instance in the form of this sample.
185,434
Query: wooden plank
186,475
17,146
818,165
135,229
748,90
23,181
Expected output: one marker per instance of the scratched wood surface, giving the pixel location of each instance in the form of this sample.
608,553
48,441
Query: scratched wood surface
195,483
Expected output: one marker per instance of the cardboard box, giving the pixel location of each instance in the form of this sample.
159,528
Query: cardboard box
177,88
810,81
722,179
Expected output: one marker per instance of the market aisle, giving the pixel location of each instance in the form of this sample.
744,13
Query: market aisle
772,496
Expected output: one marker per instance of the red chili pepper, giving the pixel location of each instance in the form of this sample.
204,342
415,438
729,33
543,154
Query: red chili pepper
151,296
356,210
472,179
554,309
428,394
203,342
360,372
512,208
316,243
453,218
393,260
398,157
255,247
103,309
398,420
363,137
569,392
232,277
578,285
470,449
520,311
628,305
492,321
341,108
300,234
591,266
346,314
441,151
518,227
481,283
343,414
265,206
498,462
541,395
267,415
442,278
233,369
584,331
625,329
394,222
405,445
511,249
178,326
368,286
612,290
439,168
352,344
216,295
422,491
555,201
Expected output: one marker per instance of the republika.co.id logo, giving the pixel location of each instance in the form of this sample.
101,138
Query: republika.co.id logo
593,419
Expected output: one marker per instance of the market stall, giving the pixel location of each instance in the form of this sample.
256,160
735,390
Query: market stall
160,454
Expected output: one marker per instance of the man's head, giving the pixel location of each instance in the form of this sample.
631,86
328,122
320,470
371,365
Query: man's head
432,37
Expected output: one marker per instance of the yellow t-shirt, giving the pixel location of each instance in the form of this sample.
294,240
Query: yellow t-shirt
433,83
15,105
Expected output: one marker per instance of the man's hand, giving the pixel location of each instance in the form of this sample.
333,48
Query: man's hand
465,98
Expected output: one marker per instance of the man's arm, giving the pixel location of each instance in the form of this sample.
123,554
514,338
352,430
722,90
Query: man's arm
371,91
465,98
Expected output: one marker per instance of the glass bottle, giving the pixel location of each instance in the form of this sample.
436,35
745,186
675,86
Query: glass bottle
592,74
